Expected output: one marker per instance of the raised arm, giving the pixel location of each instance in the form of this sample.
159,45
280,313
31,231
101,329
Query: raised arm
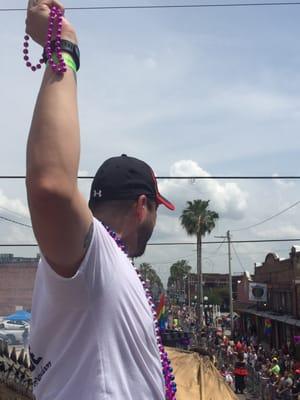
61,219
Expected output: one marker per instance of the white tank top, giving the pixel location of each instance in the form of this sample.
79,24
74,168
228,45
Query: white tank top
92,336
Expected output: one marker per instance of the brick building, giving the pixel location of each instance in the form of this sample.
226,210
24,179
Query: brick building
281,310
17,276
186,289
212,281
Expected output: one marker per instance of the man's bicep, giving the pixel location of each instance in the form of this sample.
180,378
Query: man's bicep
63,229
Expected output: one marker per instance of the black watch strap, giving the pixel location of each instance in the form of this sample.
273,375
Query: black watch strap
67,47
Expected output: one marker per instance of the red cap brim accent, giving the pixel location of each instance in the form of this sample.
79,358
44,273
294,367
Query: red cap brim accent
162,200
159,198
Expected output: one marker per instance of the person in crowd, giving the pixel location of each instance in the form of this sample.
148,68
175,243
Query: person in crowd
240,373
238,346
285,383
226,374
25,337
296,387
275,368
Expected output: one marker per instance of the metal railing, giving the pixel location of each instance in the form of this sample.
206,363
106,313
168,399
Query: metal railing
262,387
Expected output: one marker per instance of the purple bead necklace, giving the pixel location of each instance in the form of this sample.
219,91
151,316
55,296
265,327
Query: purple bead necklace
59,67
170,385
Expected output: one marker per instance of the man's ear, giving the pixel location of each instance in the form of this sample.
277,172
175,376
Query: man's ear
141,207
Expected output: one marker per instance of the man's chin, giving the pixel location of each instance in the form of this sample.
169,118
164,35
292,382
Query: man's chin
137,253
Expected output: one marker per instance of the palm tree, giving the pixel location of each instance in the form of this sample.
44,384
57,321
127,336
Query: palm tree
149,274
178,272
198,220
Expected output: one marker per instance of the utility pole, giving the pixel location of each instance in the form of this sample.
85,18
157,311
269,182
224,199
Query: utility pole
229,279
230,283
189,291
199,280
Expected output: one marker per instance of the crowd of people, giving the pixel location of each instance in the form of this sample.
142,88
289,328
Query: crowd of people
246,364
181,318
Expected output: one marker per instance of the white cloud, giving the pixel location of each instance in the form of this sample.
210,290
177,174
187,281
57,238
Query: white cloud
282,230
15,234
168,228
13,205
228,199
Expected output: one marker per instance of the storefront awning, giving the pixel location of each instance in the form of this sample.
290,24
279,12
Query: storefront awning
287,319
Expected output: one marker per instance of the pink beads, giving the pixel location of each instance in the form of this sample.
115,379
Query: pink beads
170,385
58,66
26,57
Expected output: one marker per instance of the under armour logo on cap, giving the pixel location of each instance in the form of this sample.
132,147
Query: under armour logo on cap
125,178
97,193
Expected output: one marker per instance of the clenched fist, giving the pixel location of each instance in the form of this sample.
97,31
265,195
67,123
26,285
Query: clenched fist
37,21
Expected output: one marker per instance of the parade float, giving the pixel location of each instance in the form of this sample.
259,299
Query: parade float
196,376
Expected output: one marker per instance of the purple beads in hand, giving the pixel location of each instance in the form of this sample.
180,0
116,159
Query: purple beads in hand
58,66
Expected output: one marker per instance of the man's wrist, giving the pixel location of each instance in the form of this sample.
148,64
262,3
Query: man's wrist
66,46
69,35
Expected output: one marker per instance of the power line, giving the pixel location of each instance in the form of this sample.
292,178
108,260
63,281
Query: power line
175,243
237,256
168,6
217,250
249,253
267,219
13,212
190,243
219,242
263,177
15,222
190,255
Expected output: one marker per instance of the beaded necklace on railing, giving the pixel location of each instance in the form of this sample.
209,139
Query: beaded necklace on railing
58,66
170,385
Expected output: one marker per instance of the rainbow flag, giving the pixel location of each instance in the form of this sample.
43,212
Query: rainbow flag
268,327
161,311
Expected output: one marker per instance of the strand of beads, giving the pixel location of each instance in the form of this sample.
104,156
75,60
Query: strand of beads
26,57
58,67
170,385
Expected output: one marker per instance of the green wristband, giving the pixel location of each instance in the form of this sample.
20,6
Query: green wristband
68,59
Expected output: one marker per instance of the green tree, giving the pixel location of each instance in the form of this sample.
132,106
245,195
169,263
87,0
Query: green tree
149,274
217,295
178,271
198,221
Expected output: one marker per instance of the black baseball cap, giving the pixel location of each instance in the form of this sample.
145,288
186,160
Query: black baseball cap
125,178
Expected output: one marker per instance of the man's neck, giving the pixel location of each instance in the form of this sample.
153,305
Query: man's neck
114,223
119,224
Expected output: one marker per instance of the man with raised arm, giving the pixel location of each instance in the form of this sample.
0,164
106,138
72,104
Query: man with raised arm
93,334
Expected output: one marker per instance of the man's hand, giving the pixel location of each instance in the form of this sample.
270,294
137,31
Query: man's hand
37,21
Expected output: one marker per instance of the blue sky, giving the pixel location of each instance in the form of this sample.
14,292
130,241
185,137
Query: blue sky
191,91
